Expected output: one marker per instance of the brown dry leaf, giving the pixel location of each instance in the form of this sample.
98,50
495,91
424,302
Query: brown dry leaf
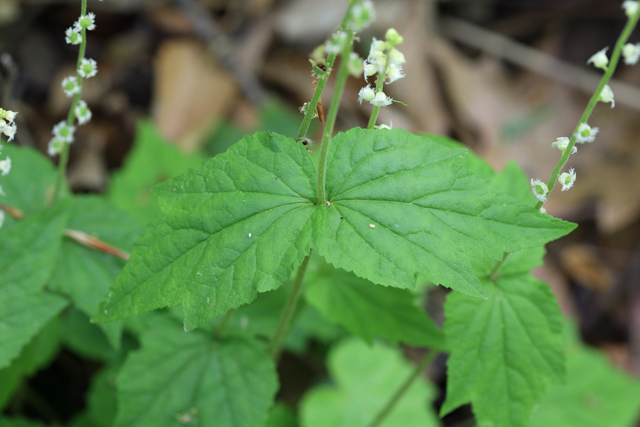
191,92
586,268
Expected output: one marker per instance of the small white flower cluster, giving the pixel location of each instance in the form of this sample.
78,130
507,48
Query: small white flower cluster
385,60
8,128
72,85
630,51
362,14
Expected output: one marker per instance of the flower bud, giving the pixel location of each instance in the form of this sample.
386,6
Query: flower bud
630,8
567,179
607,96
586,133
539,189
393,38
600,59
562,143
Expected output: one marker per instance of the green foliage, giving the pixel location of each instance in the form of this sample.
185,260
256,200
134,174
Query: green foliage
178,378
24,308
239,224
365,376
429,213
244,220
595,394
504,351
152,160
370,311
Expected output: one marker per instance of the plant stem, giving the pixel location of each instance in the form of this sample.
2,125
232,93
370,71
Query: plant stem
379,87
613,62
71,116
311,106
288,310
417,372
219,330
341,80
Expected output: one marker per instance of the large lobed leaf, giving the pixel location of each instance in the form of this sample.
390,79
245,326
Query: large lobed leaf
180,378
504,351
237,225
401,205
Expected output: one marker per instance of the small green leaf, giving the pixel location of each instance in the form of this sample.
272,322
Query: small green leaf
237,225
504,351
594,395
366,377
152,160
85,274
30,248
401,206
23,313
369,310
180,378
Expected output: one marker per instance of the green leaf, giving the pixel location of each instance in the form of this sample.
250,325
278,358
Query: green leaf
85,274
369,310
237,225
23,313
401,205
594,395
366,377
85,338
30,248
281,416
101,399
180,378
36,354
152,160
504,351
30,184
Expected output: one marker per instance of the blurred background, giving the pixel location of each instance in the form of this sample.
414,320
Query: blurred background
504,77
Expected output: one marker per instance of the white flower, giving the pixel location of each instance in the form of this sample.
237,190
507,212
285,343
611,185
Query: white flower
630,8
607,96
362,14
82,112
88,68
539,189
377,47
366,94
73,36
369,69
336,43
586,133
381,100
562,143
631,53
5,166
8,115
600,59
567,179
394,72
55,146
355,64
70,86
396,57
379,61
9,129
383,126
87,22
64,132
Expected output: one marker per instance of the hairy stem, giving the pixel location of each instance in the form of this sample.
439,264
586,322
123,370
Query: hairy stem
341,80
613,62
397,396
71,116
289,309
